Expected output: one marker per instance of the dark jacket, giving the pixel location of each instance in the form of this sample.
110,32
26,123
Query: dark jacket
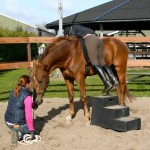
15,112
78,30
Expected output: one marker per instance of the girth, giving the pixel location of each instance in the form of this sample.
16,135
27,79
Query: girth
88,61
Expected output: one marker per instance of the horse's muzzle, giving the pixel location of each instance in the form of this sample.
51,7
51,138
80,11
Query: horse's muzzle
39,101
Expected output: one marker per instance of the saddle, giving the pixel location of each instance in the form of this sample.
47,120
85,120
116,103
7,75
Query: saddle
88,61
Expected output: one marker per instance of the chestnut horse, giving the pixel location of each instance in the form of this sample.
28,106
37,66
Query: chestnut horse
66,53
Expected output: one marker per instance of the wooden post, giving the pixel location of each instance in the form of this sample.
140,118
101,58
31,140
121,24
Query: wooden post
29,52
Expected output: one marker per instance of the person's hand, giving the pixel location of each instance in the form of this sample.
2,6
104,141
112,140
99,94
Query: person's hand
32,135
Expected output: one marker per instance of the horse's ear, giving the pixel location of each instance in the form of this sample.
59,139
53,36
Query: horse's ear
33,68
30,72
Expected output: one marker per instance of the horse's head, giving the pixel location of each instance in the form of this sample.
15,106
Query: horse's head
40,80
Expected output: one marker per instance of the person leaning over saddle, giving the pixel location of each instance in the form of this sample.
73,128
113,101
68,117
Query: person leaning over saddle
18,116
95,51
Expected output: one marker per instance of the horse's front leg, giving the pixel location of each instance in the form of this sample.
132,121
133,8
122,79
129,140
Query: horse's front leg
83,98
70,87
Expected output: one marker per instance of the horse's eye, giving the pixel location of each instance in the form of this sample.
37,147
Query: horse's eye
40,81
47,82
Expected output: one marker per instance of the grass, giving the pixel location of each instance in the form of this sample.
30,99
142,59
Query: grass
57,87
8,80
141,86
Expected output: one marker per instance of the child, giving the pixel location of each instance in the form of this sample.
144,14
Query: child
18,116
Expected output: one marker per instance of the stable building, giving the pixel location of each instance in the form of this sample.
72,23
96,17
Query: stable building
127,17
12,24
115,18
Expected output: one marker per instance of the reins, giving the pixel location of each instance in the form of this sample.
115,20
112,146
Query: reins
27,139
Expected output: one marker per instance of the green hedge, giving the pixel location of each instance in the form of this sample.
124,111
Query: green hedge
19,32
16,52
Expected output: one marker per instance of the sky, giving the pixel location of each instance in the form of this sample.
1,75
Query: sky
36,12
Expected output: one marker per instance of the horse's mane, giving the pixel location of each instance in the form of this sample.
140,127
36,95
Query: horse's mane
56,42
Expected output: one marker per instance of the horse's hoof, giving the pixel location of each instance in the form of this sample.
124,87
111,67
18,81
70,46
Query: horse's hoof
69,118
88,118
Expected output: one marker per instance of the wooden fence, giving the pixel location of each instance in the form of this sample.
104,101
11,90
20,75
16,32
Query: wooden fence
20,40
29,40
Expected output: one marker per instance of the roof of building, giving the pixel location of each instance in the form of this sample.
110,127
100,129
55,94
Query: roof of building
19,21
115,11
12,23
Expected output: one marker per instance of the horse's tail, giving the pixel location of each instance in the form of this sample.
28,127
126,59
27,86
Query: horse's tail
128,96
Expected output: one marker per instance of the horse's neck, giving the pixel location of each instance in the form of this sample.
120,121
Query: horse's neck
56,58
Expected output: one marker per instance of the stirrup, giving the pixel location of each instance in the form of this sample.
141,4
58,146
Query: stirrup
116,84
107,89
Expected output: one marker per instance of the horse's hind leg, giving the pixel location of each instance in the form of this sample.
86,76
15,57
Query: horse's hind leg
121,90
70,87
